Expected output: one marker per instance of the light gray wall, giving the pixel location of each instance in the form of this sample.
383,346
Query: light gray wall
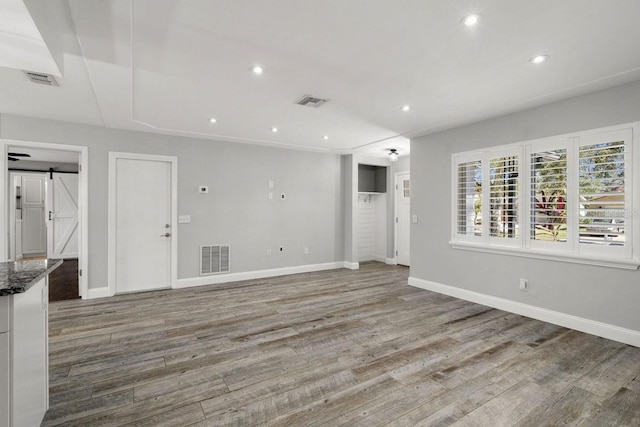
236,211
603,294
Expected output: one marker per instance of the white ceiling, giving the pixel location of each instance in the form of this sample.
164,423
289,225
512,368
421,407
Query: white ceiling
167,66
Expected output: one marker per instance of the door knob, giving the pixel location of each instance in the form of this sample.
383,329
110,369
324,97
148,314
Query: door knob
165,235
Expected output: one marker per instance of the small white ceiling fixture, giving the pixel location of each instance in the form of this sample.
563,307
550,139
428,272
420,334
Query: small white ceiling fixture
406,107
257,70
471,20
538,59
325,137
393,154
213,120
274,130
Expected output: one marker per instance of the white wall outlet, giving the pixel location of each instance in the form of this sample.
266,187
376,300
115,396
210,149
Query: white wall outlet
184,219
270,183
306,251
283,196
203,189
270,196
414,218
268,252
281,248
524,284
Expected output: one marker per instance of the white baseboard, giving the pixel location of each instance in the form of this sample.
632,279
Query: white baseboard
258,274
351,265
604,330
380,258
93,293
391,261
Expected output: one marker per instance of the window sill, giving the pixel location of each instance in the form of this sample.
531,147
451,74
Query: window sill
627,264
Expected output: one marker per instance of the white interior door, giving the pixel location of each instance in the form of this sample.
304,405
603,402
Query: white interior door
142,197
403,218
34,239
62,230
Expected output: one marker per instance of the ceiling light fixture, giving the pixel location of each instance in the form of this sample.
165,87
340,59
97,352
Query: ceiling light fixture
274,130
257,70
406,108
471,20
325,137
212,120
539,59
393,154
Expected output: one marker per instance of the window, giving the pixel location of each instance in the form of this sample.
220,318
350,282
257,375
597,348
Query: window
570,198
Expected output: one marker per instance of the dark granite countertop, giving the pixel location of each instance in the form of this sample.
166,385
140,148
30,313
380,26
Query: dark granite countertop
17,277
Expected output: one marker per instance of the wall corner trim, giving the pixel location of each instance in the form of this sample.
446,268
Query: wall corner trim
351,265
257,274
604,330
93,293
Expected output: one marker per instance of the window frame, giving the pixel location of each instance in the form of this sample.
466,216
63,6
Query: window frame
626,257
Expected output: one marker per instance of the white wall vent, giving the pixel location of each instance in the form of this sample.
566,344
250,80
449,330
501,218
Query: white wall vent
41,78
311,101
214,259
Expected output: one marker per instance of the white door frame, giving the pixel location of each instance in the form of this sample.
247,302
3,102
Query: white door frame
396,189
83,209
111,262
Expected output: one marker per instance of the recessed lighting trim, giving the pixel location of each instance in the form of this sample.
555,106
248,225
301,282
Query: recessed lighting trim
213,120
406,107
274,129
325,137
538,59
257,70
471,20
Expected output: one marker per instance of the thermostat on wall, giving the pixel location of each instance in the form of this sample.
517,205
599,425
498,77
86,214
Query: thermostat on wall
203,189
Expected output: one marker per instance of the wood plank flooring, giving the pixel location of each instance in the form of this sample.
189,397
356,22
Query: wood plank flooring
333,348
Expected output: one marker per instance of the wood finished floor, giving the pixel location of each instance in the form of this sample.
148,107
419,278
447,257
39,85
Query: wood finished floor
352,348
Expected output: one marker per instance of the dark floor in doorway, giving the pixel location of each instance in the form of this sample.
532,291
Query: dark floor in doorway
63,281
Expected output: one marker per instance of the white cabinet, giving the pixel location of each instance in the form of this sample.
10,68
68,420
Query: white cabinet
24,357
4,379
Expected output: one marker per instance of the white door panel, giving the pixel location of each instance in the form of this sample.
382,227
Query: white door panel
403,212
142,221
33,215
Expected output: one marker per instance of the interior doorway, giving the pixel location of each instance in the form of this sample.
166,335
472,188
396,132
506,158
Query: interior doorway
45,209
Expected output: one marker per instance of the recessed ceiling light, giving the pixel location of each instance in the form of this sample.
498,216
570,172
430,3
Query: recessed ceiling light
257,70
471,20
325,137
406,108
274,130
212,120
539,59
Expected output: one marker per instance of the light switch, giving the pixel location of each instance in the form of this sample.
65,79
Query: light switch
270,185
184,219
414,218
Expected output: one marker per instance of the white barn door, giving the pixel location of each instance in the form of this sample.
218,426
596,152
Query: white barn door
62,201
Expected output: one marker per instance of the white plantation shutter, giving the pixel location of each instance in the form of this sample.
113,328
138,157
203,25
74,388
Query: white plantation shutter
503,197
548,203
469,198
603,183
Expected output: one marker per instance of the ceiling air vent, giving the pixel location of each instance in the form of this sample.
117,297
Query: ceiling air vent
41,78
311,101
